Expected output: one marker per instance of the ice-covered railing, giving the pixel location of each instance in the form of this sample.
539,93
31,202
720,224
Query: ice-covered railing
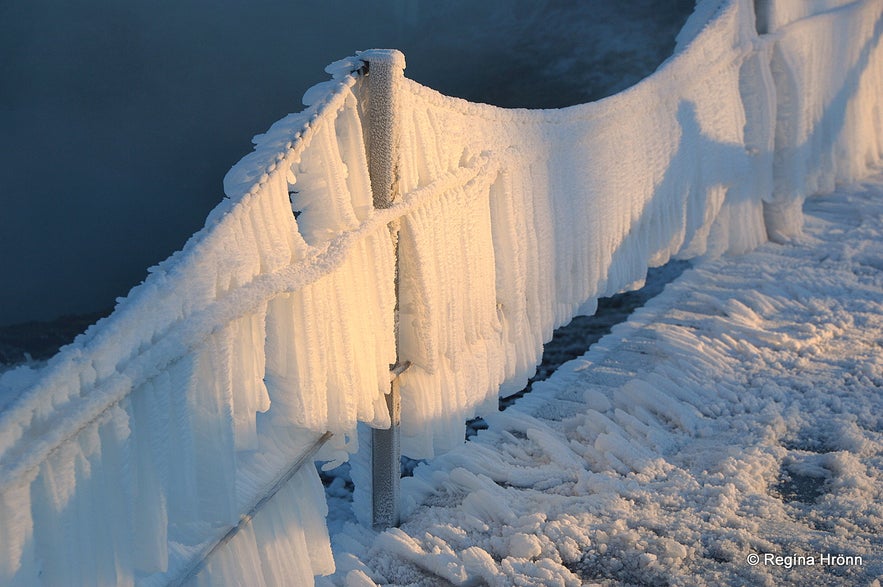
586,199
162,446
827,63
143,443
713,153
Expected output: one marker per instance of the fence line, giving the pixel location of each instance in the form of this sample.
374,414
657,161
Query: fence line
455,245
173,344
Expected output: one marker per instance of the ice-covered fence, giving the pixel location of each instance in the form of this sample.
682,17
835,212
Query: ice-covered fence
827,63
586,198
144,442
137,450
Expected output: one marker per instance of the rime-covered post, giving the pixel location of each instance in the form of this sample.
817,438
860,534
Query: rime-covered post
385,68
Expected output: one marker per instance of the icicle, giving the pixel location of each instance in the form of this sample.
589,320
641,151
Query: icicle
178,448
322,194
17,534
150,430
210,401
351,145
247,377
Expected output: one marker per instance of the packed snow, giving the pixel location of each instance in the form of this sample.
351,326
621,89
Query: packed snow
738,413
157,432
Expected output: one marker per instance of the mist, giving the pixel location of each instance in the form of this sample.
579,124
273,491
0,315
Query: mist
118,120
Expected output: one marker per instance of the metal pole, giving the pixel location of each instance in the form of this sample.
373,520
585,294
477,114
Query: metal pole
385,70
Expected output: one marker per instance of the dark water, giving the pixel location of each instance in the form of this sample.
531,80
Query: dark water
38,341
103,106
119,119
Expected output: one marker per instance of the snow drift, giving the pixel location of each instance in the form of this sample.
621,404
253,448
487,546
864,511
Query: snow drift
135,451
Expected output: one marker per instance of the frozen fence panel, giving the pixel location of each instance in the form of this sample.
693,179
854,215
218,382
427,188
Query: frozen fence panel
456,242
828,71
154,433
584,199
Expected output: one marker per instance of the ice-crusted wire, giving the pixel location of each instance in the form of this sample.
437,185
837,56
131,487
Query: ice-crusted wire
278,148
320,262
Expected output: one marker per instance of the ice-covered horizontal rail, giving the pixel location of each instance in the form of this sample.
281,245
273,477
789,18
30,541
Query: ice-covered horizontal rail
284,142
21,458
244,181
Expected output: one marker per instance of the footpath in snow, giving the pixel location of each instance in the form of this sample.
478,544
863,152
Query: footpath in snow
730,433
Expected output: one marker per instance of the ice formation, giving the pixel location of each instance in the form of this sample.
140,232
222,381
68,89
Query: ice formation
585,199
145,441
827,122
736,414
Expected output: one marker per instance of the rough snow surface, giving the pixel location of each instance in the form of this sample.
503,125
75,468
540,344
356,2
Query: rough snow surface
739,413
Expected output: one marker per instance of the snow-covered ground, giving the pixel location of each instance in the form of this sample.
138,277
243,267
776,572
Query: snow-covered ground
730,433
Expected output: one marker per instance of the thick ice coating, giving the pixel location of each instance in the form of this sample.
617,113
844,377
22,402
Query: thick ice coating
585,199
139,446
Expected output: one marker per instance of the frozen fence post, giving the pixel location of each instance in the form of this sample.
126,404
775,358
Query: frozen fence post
385,72
386,69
